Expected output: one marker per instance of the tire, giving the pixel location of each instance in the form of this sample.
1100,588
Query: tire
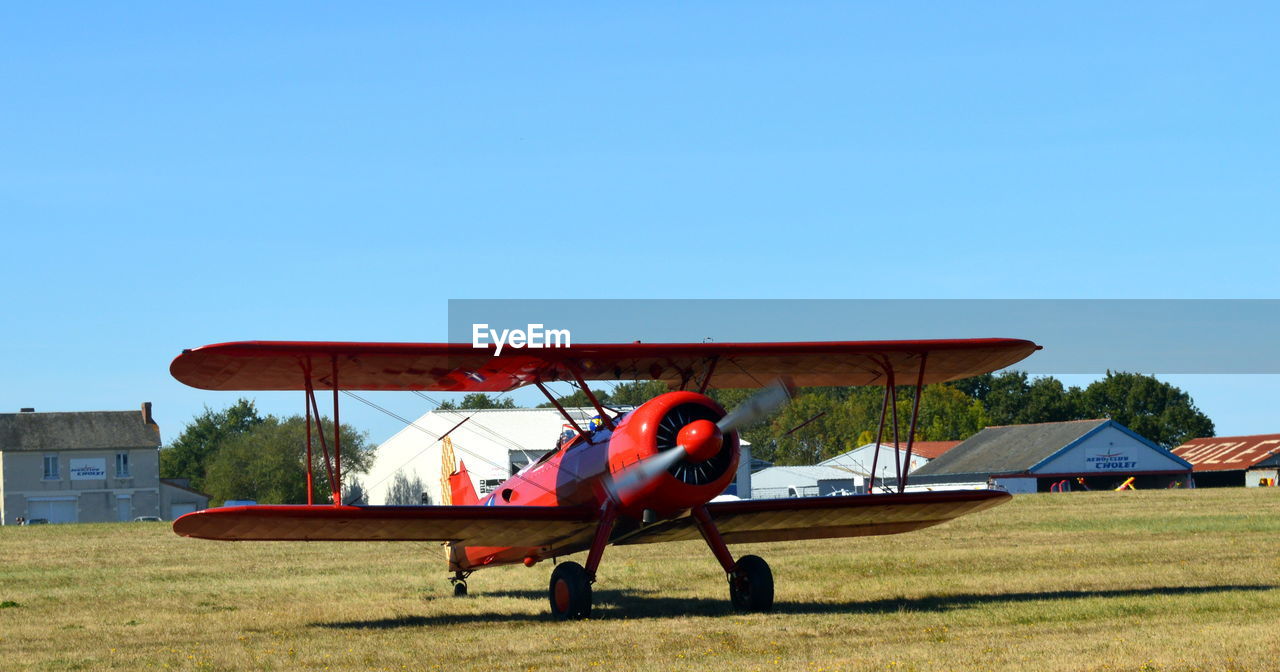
460,589
570,592
751,585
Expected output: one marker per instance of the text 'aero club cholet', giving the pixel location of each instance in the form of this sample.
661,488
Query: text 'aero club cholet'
644,476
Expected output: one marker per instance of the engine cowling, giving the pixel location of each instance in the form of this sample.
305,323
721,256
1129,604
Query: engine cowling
661,424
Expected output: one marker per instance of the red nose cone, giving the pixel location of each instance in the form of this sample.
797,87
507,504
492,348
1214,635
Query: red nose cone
701,440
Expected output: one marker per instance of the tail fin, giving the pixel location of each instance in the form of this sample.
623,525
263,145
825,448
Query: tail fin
460,487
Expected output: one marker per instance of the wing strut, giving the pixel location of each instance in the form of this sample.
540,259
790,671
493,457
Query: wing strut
333,468
555,402
889,390
604,417
911,434
901,465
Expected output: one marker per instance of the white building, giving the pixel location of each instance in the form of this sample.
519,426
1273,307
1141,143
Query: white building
494,444
805,481
861,459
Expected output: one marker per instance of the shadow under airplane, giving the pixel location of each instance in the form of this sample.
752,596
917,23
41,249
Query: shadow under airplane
640,604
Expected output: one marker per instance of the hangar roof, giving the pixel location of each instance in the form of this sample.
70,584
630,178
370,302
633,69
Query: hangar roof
1008,448
1230,453
799,475
82,430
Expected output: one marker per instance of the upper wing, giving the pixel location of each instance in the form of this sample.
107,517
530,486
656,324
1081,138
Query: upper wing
260,365
750,521
468,525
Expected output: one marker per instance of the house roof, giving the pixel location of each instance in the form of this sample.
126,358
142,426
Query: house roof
931,449
1230,453
1008,448
84,430
177,483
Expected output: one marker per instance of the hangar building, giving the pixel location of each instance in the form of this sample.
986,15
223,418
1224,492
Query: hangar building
860,459
1032,458
95,466
1233,460
494,443
804,481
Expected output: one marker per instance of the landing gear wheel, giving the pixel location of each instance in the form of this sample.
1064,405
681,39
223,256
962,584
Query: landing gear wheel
570,592
751,584
459,588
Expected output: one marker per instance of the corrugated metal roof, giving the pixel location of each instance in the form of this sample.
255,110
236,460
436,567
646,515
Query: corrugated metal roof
931,449
1229,453
1008,449
77,430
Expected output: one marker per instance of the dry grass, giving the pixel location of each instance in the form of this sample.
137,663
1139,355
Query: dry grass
1158,580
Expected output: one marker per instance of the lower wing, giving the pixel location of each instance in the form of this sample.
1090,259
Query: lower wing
531,526
792,519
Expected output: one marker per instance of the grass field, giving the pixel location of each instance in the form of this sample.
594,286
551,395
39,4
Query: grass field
1152,580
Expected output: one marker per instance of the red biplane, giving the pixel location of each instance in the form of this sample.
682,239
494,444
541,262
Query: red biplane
644,476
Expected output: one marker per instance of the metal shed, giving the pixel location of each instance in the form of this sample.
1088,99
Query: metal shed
1233,460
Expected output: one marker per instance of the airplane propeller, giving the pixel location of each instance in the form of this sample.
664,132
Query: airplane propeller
699,440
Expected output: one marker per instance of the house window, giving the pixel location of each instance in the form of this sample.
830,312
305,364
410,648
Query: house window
51,468
122,465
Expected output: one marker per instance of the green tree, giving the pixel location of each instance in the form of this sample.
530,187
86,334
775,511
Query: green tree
1046,400
946,414
267,464
636,392
811,428
1154,409
189,455
578,399
478,400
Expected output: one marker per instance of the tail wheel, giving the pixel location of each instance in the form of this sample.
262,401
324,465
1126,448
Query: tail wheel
751,584
570,592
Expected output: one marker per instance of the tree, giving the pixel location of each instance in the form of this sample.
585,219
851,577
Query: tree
578,399
405,490
1013,398
267,464
1047,401
1157,410
946,414
189,455
636,392
478,400
808,430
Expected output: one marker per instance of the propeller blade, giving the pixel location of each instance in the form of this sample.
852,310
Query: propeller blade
635,476
756,407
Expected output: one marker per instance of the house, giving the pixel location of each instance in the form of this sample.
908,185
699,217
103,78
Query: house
91,466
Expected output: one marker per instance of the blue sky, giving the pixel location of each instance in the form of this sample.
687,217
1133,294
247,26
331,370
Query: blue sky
175,174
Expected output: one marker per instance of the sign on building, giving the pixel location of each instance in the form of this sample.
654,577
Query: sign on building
88,468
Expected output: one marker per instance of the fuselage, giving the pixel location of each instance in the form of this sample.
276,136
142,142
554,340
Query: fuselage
580,474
